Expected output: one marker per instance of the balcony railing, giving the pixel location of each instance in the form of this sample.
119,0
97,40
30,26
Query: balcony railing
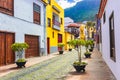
56,25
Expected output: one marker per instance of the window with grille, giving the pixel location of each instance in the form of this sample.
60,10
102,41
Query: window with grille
6,6
36,14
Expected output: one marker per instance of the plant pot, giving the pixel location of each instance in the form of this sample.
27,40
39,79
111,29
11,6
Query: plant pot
70,49
87,55
80,68
61,52
21,64
91,49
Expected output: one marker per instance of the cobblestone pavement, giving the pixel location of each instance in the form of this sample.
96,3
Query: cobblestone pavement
95,70
60,68
53,69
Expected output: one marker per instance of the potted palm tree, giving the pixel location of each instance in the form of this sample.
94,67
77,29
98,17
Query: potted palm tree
87,53
19,49
79,65
60,47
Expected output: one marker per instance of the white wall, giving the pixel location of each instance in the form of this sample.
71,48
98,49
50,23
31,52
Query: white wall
110,7
22,21
67,21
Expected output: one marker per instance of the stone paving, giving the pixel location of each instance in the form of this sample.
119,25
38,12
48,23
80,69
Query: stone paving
4,70
59,67
95,70
53,69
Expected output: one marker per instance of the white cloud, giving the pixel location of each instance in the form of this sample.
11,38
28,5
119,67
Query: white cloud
65,4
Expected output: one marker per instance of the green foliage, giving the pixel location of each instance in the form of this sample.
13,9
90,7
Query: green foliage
91,42
90,24
77,42
70,43
77,63
19,46
84,10
21,60
87,43
87,53
61,45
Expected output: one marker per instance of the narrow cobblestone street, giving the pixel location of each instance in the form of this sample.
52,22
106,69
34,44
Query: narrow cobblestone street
52,69
60,68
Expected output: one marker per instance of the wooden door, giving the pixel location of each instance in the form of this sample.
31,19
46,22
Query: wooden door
48,45
33,42
7,56
10,56
2,49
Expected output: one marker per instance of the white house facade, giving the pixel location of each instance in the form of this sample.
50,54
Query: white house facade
22,21
109,14
68,21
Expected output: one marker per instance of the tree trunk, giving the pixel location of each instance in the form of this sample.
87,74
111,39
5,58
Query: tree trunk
79,53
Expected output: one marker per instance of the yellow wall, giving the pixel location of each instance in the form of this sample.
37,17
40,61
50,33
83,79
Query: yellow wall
82,33
68,37
50,30
91,29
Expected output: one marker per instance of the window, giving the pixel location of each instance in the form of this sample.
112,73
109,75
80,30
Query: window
49,1
53,34
36,14
100,34
6,6
61,20
49,22
112,38
56,20
104,17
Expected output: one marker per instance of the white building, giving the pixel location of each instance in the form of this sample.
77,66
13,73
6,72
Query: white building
68,21
109,14
21,21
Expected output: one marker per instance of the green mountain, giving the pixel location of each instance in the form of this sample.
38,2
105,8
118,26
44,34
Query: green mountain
83,11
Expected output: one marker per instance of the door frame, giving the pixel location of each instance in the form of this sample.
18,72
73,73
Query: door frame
48,45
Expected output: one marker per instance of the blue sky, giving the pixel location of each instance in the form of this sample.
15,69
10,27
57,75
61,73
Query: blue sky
67,3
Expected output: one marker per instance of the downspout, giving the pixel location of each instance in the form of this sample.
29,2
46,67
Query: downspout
45,36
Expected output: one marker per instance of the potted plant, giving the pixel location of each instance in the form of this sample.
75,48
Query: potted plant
79,65
60,47
91,45
19,48
70,45
87,53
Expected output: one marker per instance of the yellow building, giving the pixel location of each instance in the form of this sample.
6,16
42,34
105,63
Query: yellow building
68,37
91,32
82,31
54,26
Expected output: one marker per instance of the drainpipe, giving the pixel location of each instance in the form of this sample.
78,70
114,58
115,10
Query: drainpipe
45,36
